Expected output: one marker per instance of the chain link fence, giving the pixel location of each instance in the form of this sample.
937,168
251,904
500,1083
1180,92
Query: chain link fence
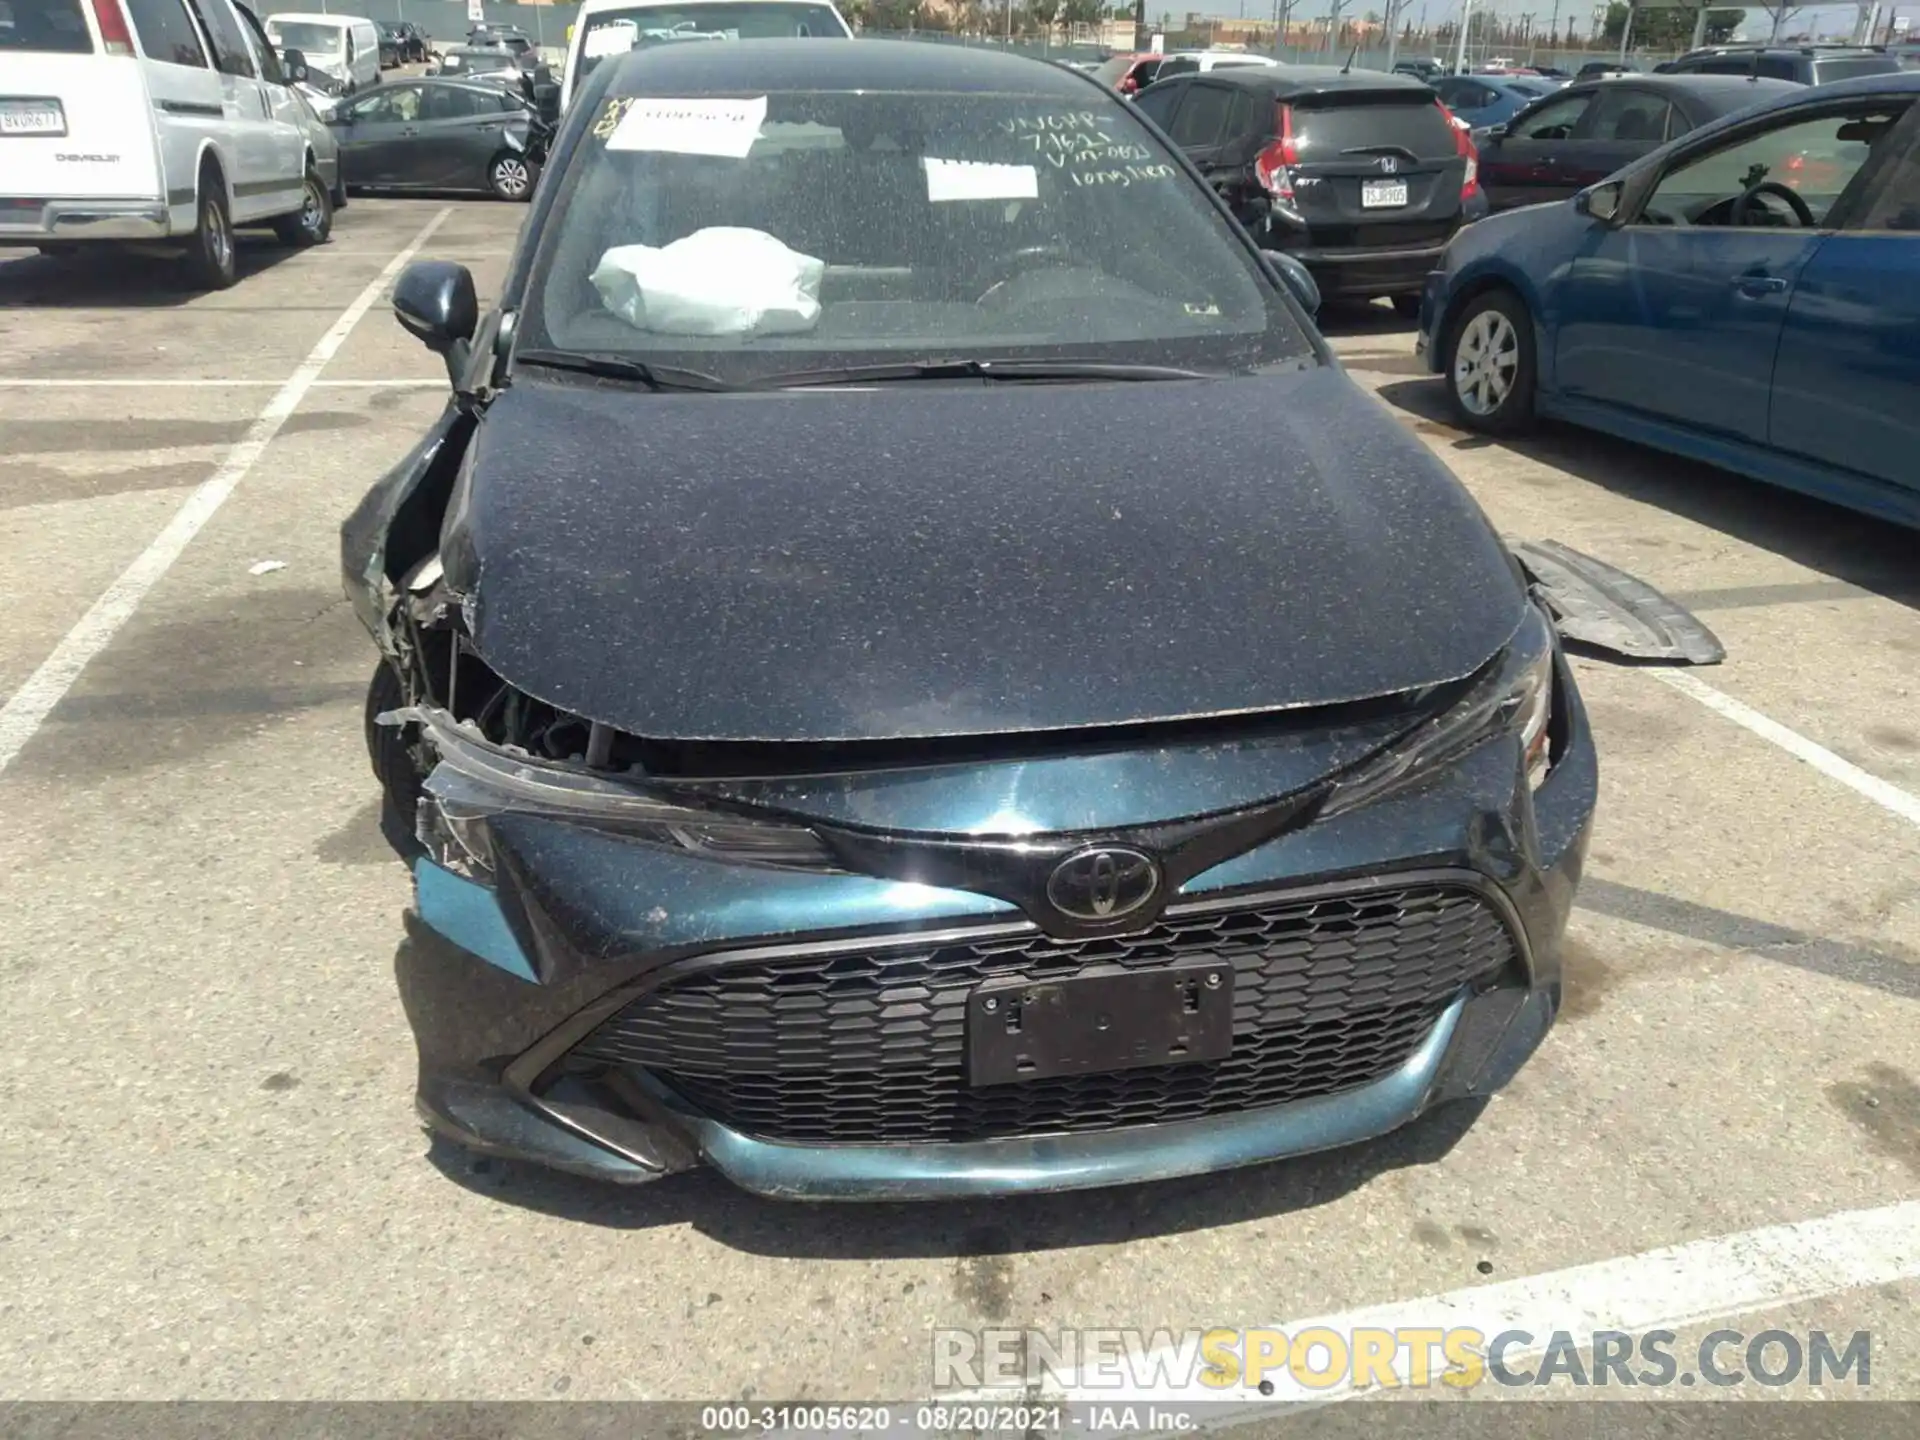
446,21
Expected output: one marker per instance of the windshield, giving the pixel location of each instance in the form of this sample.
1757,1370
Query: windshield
614,32
823,229
304,35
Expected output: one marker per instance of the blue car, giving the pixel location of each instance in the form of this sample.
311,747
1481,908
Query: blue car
1747,295
1486,100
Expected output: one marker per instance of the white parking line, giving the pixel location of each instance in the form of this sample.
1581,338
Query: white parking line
11,383
28,707
1884,794
1671,1288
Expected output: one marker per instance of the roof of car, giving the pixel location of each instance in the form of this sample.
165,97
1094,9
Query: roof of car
1766,47
463,82
825,64
1712,87
1315,79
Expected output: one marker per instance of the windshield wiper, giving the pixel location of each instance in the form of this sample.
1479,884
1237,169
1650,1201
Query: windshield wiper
1034,370
619,367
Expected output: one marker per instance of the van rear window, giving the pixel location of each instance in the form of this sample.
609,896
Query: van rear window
57,26
1326,125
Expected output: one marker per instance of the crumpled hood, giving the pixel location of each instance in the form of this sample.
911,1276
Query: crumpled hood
967,559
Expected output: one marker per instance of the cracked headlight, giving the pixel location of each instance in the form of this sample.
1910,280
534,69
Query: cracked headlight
1515,698
477,780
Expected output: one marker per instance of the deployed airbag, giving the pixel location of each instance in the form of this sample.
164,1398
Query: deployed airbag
718,281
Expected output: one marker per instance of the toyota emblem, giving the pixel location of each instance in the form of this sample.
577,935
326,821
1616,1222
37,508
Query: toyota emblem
1103,882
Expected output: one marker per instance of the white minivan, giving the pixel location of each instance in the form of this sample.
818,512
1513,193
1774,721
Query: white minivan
612,27
344,48
155,120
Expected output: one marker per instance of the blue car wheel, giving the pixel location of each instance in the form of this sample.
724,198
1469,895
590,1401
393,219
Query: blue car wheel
1489,364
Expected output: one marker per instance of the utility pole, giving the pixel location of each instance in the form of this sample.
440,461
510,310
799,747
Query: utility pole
1626,33
1460,40
1553,37
1393,32
1333,23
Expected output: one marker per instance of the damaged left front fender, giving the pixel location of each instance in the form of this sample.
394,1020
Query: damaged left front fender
397,524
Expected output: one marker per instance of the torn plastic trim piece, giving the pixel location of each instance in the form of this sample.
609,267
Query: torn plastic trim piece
1595,604
476,779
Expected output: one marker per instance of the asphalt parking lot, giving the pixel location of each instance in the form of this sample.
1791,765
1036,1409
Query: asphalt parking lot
211,1180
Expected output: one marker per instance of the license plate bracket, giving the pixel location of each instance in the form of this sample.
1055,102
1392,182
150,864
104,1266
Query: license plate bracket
1021,1029
1383,194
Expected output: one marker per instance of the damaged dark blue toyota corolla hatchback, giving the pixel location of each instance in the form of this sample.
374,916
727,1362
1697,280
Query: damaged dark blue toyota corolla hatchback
908,670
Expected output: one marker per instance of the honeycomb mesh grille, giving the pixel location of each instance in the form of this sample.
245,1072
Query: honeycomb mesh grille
869,1045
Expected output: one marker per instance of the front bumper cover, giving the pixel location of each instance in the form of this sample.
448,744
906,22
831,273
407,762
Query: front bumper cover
1476,1045
492,1021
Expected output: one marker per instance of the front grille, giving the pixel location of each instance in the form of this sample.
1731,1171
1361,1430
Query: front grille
869,1045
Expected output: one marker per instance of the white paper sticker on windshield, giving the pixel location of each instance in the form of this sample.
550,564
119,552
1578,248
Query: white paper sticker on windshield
976,180
690,127
614,39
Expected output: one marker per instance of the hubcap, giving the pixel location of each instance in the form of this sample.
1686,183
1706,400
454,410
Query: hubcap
311,208
218,241
511,176
1485,361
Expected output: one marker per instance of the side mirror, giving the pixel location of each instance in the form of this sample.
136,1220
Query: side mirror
294,62
434,301
1601,203
1296,277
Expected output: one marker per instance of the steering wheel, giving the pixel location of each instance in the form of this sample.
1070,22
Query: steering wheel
1027,257
1801,214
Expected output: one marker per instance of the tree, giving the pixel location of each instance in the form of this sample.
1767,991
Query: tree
1080,12
1670,29
892,14
1043,14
